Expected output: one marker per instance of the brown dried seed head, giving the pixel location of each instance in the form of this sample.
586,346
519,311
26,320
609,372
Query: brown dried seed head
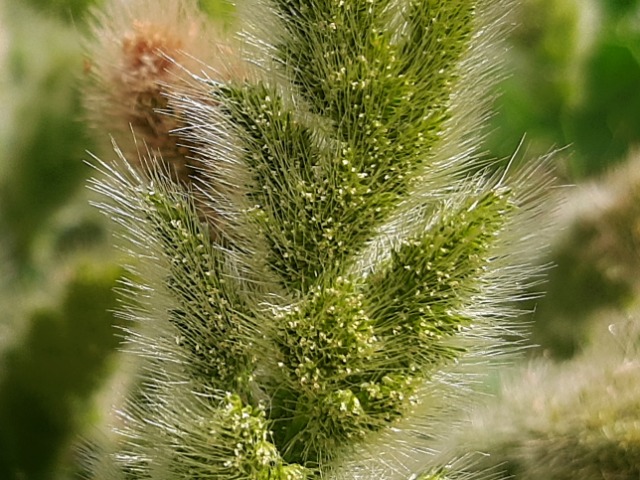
149,56
142,51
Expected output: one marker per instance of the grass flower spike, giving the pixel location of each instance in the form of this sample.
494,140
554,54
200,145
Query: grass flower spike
362,256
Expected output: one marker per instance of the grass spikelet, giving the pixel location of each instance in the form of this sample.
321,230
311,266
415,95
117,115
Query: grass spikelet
198,341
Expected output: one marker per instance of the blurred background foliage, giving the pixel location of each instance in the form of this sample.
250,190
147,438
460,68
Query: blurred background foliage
57,332
575,71
573,81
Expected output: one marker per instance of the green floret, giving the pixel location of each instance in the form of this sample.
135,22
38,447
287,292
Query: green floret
210,316
418,295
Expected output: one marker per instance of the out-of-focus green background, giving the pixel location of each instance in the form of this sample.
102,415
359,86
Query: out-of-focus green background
58,271
573,81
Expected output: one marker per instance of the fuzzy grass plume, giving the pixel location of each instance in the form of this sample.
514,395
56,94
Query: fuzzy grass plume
137,51
361,254
578,420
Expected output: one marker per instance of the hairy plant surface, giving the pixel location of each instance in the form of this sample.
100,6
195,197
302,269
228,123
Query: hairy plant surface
575,421
324,253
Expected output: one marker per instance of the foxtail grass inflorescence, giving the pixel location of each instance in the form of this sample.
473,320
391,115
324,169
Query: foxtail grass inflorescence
361,257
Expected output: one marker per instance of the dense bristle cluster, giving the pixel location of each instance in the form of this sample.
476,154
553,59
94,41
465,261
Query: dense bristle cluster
563,423
358,260
146,61
140,54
